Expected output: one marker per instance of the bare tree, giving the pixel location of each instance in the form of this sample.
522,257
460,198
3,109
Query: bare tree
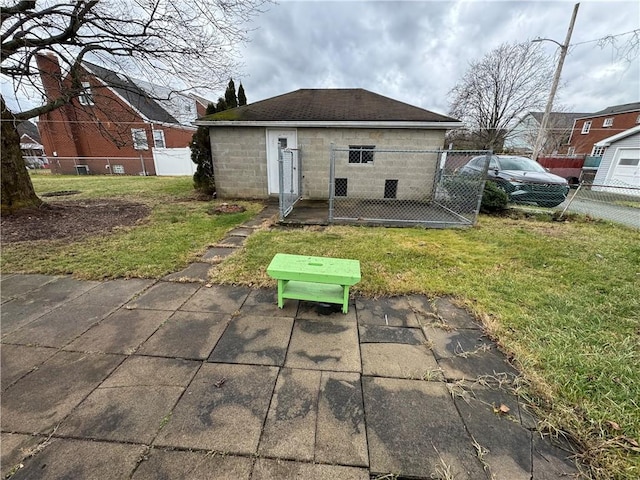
498,89
155,39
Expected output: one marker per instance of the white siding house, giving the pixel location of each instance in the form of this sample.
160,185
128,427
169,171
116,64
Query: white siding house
620,165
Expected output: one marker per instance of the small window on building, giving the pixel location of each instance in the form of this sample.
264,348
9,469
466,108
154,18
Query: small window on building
586,127
118,169
86,97
158,139
638,119
361,153
597,151
140,141
571,151
390,188
608,122
629,162
341,187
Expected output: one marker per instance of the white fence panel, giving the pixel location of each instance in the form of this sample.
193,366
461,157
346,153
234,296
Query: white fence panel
173,161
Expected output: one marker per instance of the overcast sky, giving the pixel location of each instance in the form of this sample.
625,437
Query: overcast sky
415,51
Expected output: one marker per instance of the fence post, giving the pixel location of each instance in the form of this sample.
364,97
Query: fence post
571,199
281,183
332,181
144,171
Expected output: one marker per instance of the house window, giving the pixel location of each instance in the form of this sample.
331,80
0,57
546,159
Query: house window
86,97
341,187
390,188
597,151
158,139
119,169
140,141
361,153
571,151
586,127
638,119
608,122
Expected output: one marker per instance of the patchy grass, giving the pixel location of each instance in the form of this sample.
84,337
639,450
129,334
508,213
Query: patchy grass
175,233
563,297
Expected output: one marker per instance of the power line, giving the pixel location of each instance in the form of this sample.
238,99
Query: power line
606,37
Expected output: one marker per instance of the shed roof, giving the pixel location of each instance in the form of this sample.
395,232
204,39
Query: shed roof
618,136
328,105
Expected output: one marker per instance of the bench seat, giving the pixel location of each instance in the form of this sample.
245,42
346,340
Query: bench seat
318,279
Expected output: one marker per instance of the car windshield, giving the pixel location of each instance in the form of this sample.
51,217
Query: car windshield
519,163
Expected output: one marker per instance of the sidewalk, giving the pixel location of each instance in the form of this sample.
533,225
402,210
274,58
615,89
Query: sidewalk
149,379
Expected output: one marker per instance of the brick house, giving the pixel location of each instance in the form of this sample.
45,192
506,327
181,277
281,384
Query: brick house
246,141
523,136
591,129
118,125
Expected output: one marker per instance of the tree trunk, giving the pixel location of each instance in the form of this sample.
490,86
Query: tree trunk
17,189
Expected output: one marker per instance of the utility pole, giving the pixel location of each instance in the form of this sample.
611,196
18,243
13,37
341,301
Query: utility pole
556,79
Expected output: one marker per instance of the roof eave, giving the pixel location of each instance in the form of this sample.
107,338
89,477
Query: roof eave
329,124
618,136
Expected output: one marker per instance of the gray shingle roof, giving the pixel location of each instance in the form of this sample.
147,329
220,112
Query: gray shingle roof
132,93
560,119
327,105
627,107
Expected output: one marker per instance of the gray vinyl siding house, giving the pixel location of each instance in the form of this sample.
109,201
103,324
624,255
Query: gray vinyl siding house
245,142
619,169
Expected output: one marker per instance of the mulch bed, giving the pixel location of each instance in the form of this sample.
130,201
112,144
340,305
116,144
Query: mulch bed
70,220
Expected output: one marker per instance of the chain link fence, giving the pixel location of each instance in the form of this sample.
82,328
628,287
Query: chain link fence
616,202
102,165
290,179
383,186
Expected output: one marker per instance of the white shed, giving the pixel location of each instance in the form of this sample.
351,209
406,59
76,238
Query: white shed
620,165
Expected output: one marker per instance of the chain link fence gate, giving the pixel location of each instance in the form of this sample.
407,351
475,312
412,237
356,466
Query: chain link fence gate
290,180
369,185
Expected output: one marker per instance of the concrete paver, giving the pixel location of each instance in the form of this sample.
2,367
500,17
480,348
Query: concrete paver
341,435
290,429
21,284
254,340
255,392
279,469
43,398
232,242
223,409
398,361
60,326
217,254
506,448
15,447
166,464
164,296
194,272
391,311
218,298
186,335
63,458
121,332
18,360
330,344
414,429
263,301
35,303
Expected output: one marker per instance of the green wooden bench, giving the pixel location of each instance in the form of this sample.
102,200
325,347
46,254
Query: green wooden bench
317,279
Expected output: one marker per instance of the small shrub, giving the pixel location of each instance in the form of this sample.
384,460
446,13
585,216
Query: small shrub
494,199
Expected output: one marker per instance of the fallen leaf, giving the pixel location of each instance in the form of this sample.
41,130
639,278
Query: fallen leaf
502,409
613,425
220,382
208,285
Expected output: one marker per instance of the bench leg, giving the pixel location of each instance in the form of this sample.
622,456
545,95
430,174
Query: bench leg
281,284
345,301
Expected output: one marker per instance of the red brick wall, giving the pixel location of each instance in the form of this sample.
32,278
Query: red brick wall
583,143
100,130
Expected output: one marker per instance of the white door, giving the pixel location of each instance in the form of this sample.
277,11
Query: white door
627,168
287,141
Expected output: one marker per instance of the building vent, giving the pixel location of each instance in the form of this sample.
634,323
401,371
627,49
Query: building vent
390,188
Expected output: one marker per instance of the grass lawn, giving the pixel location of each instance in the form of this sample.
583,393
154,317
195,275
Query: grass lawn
176,232
564,298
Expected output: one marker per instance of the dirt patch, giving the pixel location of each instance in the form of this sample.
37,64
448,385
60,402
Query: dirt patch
70,220
227,208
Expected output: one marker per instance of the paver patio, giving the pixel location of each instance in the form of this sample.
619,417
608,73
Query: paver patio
145,380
